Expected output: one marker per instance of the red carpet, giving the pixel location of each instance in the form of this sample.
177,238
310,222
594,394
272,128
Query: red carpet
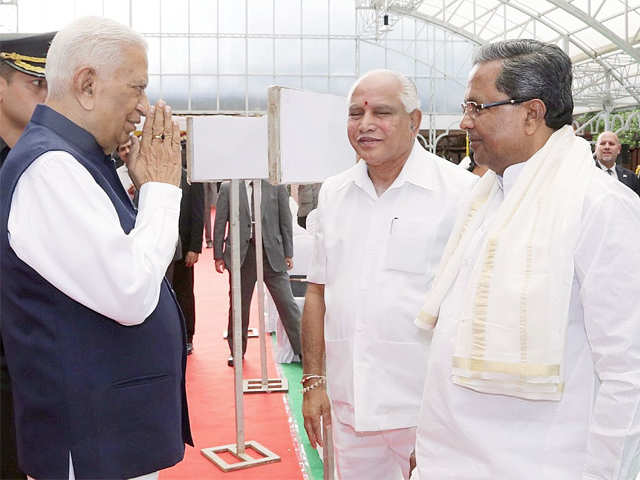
210,392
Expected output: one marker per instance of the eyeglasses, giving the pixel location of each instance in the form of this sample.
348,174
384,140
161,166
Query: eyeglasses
473,108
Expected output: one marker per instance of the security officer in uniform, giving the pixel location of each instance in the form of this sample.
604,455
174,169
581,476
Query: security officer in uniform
22,87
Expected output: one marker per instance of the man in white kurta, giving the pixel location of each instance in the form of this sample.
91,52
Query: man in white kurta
376,247
482,424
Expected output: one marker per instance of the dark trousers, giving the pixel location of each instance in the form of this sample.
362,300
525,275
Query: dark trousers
279,286
183,286
8,452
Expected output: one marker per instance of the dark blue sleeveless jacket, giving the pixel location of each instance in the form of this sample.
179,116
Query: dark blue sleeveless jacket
112,395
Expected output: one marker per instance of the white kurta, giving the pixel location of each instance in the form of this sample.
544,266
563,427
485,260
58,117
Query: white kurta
376,257
594,431
63,225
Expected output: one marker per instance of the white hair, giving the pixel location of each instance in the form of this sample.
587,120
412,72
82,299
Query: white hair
408,93
89,41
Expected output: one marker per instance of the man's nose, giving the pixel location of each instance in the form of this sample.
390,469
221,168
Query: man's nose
467,122
366,122
143,105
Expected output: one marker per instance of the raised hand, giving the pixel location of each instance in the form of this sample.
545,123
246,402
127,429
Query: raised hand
156,157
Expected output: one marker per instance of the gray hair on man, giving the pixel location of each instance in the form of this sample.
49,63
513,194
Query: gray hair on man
88,41
408,94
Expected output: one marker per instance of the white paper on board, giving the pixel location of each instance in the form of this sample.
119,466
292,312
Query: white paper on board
223,147
312,130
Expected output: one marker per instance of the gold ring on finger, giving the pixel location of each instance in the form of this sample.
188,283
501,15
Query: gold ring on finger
159,137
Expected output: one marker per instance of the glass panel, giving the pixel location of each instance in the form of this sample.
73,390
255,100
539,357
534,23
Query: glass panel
287,16
342,14
260,55
315,55
175,58
288,56
203,16
424,90
401,63
424,52
9,14
175,91
258,92
153,89
371,57
117,10
341,85
232,16
204,92
260,16
343,57
232,55
315,16
36,16
153,54
203,55
316,84
88,8
174,17
293,82
145,16
408,28
232,92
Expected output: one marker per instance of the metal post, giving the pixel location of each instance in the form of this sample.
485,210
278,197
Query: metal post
264,384
238,449
234,224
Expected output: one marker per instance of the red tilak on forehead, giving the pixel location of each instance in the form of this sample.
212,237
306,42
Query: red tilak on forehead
366,103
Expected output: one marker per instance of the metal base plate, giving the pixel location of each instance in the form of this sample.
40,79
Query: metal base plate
255,385
244,460
252,333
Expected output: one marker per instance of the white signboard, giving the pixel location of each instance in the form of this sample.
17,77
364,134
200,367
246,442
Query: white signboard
224,147
307,136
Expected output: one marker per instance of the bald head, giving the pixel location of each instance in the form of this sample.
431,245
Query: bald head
608,148
407,92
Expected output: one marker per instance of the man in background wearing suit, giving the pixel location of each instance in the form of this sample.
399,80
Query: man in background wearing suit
277,242
607,150
22,87
190,226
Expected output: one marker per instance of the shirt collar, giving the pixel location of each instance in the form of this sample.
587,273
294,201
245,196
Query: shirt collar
509,177
73,133
418,170
605,168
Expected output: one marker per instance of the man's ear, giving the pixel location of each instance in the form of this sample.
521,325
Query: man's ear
415,119
84,87
535,112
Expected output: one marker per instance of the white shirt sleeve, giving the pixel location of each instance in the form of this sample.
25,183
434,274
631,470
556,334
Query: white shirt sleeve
608,267
63,225
318,265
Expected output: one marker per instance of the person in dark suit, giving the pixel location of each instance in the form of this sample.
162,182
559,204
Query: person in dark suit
22,87
607,150
190,224
277,241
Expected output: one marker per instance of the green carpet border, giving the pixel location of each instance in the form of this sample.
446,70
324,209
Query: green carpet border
293,373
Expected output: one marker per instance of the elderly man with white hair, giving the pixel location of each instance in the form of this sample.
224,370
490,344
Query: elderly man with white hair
382,227
94,338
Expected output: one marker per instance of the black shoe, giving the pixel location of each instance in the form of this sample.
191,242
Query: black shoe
189,348
230,361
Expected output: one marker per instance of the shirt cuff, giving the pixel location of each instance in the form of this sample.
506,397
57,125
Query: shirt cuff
160,195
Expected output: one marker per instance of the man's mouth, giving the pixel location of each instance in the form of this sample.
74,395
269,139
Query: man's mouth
367,141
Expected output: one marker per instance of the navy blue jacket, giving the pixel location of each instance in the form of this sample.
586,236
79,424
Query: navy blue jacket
112,395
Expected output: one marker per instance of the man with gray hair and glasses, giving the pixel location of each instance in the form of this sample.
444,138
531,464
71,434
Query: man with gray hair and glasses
382,226
93,335
534,369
